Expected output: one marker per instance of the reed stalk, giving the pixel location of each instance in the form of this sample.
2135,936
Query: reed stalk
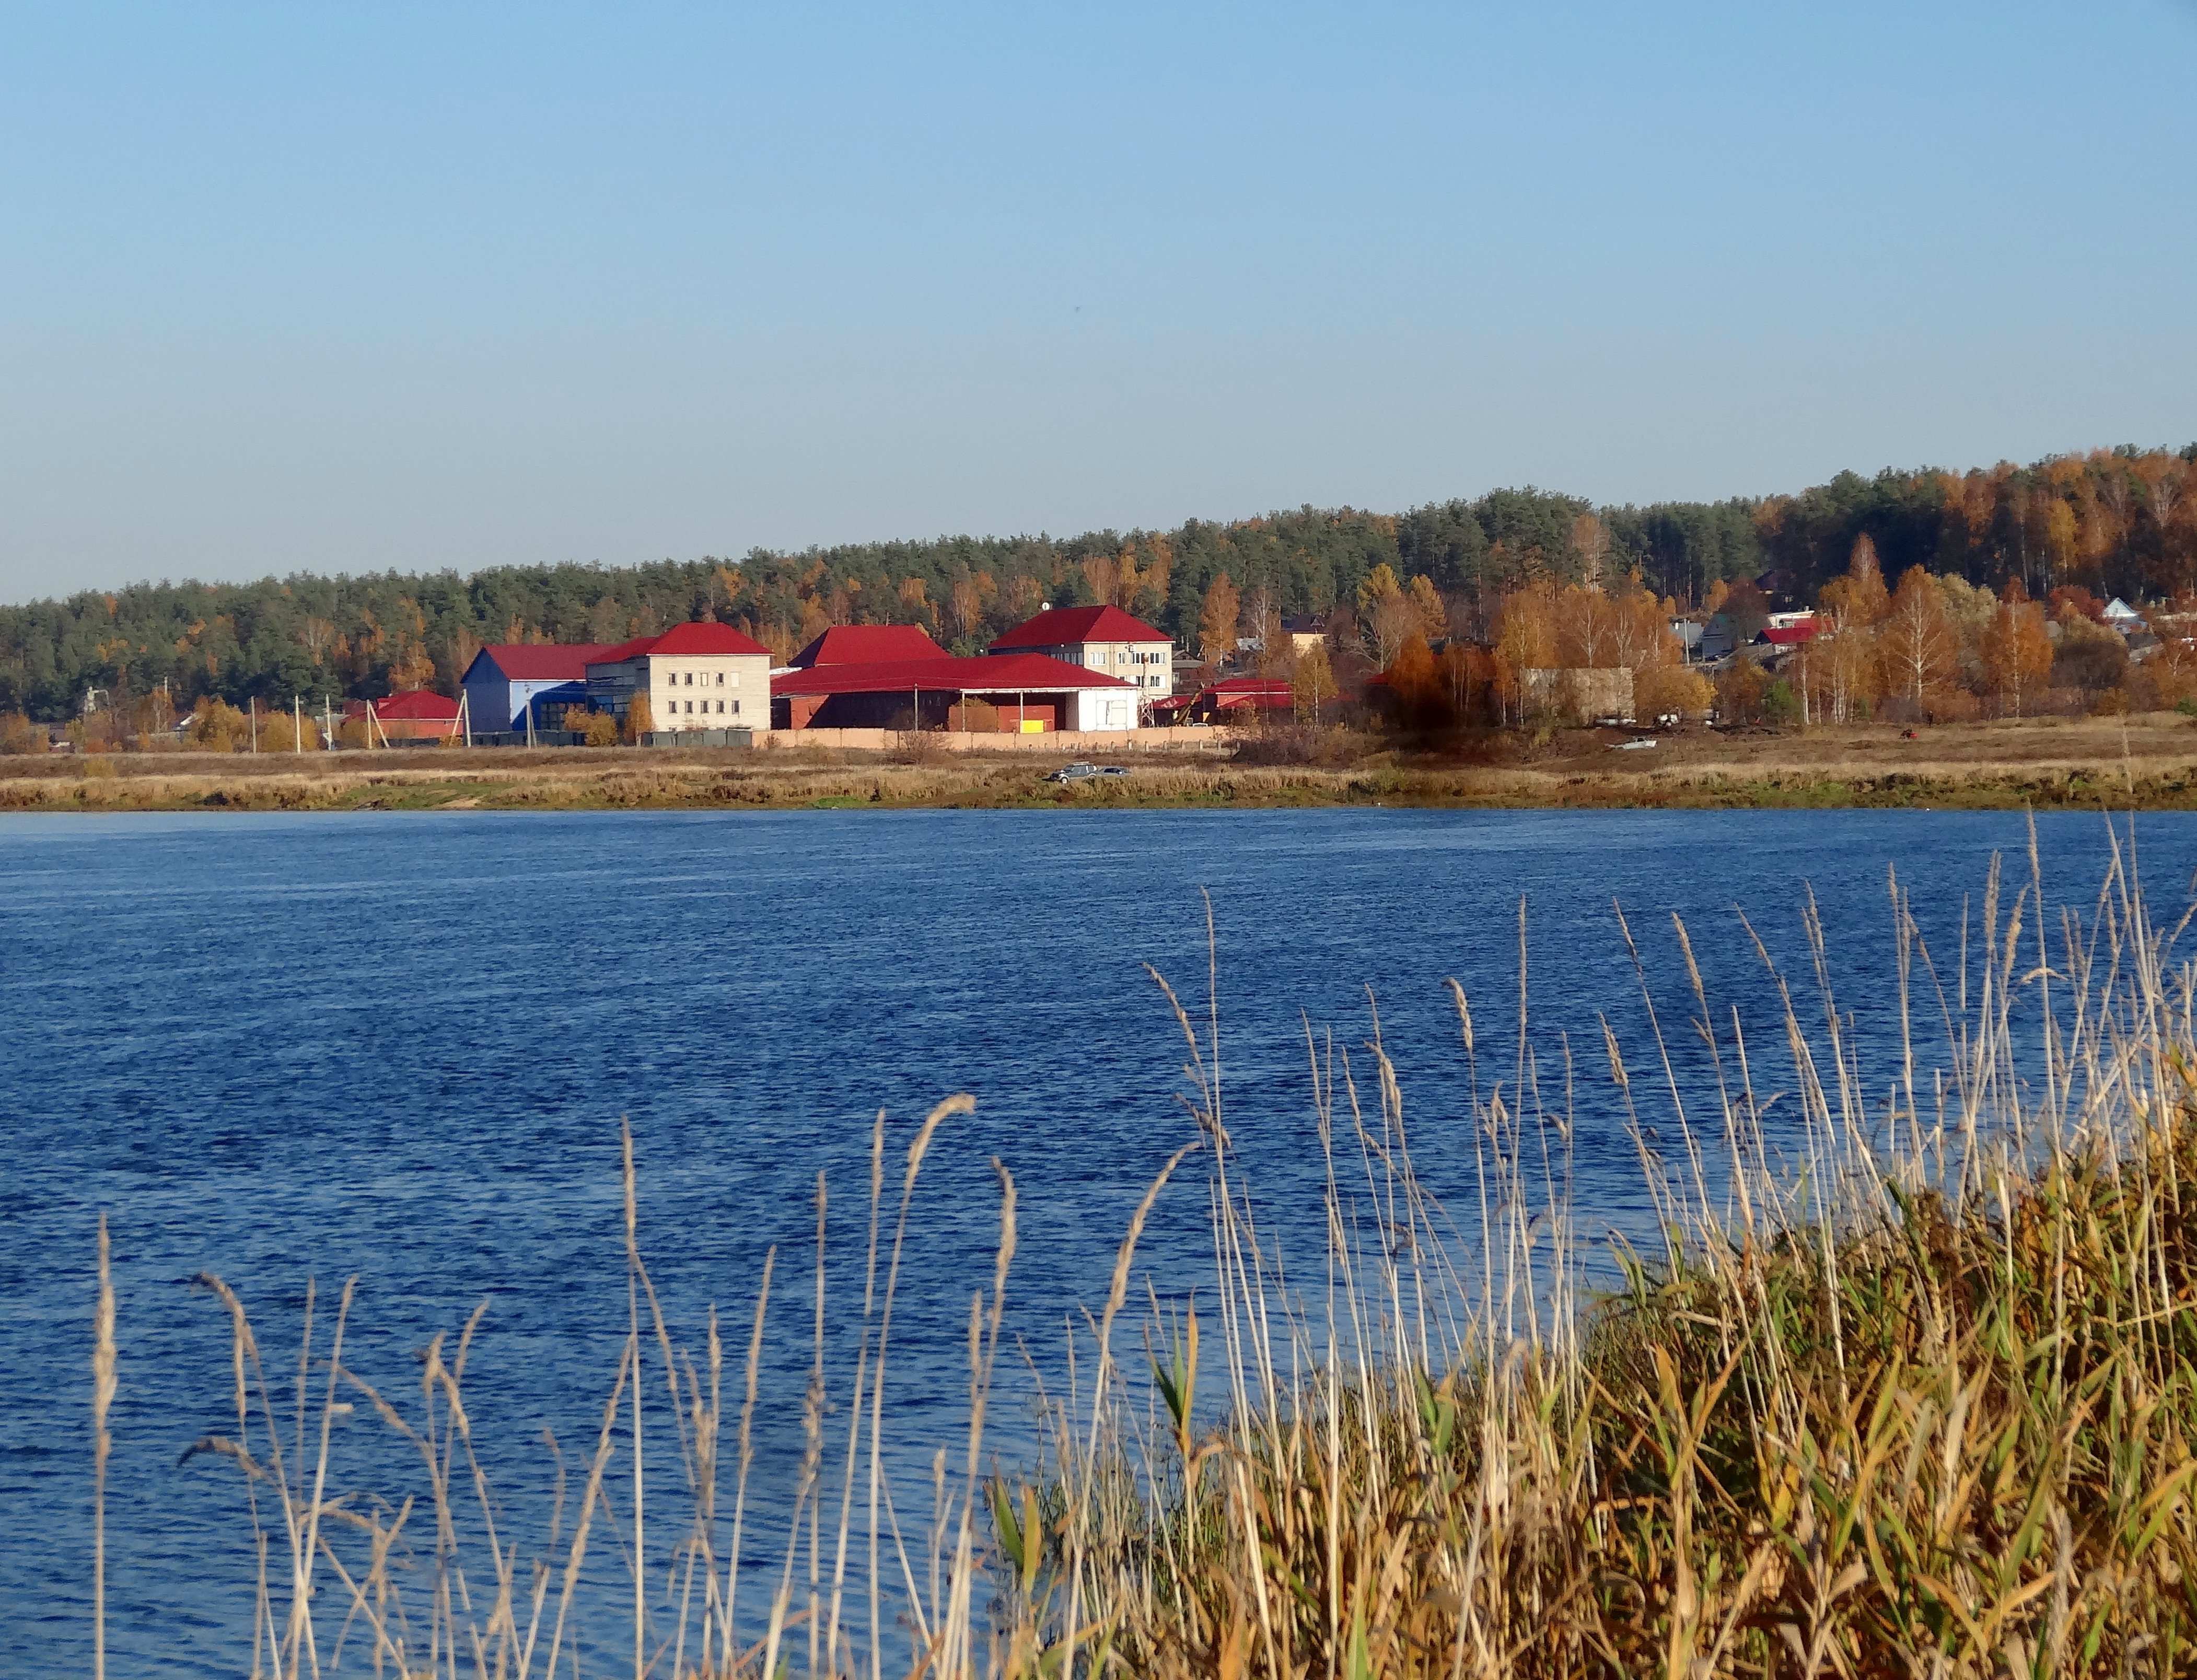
1922,1402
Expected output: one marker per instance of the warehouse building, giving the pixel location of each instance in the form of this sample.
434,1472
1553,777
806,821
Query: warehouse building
523,687
1011,693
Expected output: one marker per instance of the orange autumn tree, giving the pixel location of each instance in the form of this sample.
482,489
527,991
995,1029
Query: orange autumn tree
1417,684
1312,683
1217,619
2017,651
1920,651
1527,641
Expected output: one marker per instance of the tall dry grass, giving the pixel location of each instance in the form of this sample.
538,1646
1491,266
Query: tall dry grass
1920,1400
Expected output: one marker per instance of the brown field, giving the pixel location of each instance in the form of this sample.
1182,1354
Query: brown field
2146,763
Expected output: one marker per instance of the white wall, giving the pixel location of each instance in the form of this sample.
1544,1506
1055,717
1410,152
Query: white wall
1102,709
676,681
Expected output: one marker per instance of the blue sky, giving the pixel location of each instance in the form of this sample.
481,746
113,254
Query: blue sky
346,288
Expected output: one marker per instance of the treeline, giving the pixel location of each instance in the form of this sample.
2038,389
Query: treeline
2116,521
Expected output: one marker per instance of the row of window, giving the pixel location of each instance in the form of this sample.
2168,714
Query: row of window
686,679
673,708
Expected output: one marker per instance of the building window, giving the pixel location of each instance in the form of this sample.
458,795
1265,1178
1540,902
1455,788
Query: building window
736,708
690,678
721,679
690,708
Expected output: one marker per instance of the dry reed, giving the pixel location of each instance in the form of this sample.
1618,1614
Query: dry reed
1925,1406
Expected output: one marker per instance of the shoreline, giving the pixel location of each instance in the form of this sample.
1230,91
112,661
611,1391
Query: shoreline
2146,763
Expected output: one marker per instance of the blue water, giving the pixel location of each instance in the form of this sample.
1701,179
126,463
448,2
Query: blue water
399,1046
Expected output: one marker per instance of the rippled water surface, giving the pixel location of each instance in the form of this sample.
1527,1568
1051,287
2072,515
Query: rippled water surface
398,1047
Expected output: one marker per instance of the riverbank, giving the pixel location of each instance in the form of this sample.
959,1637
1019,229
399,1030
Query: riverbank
2148,763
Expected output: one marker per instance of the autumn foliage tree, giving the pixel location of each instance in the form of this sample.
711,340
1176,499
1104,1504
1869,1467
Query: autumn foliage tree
1916,642
2017,653
1312,685
1217,619
1415,682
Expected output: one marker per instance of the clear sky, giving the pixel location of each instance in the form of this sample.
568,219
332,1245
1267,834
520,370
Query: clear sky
348,287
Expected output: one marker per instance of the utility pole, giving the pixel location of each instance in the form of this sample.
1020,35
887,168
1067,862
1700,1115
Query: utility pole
296,724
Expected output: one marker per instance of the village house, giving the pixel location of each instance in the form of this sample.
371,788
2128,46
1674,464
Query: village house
696,676
418,717
1100,639
524,688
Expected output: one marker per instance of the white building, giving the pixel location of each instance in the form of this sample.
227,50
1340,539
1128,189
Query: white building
696,676
1102,639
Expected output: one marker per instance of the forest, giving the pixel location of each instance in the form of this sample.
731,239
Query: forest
2118,521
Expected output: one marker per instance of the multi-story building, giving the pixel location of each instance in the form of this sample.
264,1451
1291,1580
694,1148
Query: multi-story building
1103,639
696,676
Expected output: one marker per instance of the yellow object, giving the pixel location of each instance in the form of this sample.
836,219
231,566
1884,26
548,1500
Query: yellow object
1032,726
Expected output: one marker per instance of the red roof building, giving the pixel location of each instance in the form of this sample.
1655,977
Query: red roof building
868,644
695,677
1073,625
1101,639
1234,700
1789,635
544,662
701,637
508,681
415,715
1026,690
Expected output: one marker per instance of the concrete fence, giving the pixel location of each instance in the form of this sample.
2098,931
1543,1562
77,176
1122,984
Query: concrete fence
1054,742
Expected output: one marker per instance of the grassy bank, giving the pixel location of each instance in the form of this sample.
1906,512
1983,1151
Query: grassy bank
2148,764
1913,1393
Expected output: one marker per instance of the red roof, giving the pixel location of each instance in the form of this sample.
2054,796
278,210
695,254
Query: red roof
542,662
1790,635
987,674
868,644
690,638
1064,626
706,638
423,704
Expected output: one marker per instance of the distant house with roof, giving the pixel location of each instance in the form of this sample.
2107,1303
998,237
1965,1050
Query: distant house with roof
1235,699
507,682
1009,694
696,676
415,715
1102,639
867,644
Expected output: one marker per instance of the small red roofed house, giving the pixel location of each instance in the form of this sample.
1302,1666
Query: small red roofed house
1102,639
415,715
867,644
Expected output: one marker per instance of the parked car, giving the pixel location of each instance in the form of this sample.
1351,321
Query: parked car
1077,772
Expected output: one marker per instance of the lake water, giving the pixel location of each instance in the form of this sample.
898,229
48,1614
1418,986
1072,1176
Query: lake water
399,1046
